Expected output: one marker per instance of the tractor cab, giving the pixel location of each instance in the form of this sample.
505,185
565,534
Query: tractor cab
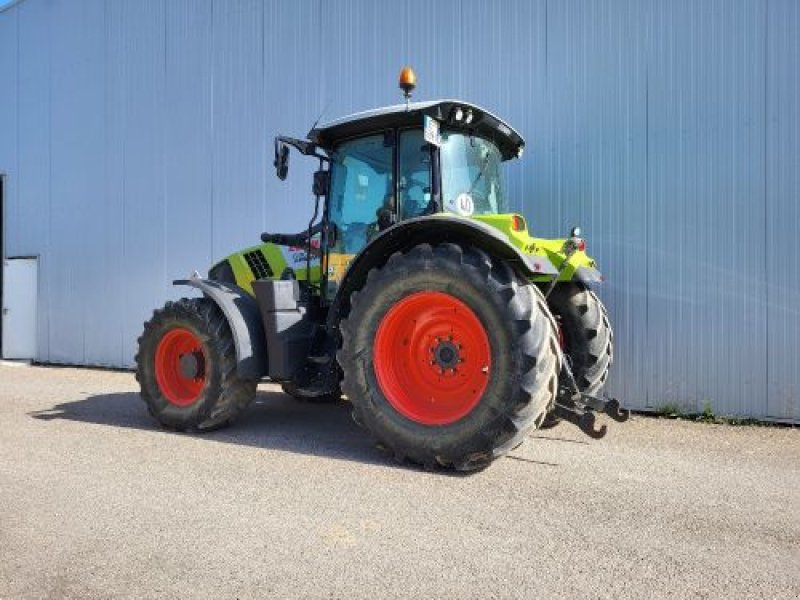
413,160
396,163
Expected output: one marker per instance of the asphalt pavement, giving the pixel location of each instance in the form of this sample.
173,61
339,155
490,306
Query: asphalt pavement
294,502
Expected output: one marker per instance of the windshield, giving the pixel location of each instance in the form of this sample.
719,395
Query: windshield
471,178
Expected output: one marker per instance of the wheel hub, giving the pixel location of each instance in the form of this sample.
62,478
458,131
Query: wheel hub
180,365
192,365
446,354
432,358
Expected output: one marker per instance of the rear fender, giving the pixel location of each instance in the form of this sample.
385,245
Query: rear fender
241,312
579,267
433,229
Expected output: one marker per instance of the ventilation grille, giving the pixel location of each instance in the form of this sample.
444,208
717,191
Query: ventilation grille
258,265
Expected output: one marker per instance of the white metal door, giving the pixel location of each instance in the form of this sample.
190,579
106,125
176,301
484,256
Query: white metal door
20,276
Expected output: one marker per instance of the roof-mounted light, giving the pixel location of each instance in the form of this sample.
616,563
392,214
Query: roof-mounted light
460,115
407,82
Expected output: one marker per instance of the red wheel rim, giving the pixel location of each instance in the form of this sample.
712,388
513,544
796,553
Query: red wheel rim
180,366
432,358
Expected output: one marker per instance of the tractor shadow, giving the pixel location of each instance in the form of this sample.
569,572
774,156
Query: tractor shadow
274,421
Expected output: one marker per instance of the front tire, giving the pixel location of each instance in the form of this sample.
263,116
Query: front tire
186,367
449,358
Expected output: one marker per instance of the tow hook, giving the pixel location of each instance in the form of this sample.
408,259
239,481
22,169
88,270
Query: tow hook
579,409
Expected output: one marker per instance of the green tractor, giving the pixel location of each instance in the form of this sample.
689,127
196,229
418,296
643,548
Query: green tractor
414,293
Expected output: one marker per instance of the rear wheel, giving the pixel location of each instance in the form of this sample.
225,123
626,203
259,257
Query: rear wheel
186,367
586,336
448,357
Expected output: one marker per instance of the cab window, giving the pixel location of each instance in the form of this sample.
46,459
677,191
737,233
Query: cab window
471,176
361,187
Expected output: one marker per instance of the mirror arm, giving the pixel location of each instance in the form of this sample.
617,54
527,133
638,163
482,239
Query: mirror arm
303,146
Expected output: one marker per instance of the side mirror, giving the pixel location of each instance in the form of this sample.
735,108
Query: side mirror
281,160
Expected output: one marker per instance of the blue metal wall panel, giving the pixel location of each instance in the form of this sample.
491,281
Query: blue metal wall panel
109,259
188,138
706,332
76,149
143,274
239,139
667,129
9,93
783,209
589,160
29,234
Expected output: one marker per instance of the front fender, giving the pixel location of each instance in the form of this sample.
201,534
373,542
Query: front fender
244,318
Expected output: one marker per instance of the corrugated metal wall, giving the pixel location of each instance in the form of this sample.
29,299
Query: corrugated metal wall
136,139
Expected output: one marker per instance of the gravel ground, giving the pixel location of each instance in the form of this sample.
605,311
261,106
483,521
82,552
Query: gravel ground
97,502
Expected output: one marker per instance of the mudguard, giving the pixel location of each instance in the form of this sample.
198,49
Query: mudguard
588,275
434,229
241,311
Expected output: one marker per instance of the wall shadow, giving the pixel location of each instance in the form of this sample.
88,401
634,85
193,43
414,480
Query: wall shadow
274,421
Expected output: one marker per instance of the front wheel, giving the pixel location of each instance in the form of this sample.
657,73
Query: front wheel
448,357
186,367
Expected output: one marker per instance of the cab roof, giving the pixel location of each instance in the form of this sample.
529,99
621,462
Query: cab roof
483,124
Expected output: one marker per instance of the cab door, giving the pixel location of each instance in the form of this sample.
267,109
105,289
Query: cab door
362,186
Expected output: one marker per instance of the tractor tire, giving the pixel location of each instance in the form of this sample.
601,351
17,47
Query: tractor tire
449,358
298,394
186,367
587,337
